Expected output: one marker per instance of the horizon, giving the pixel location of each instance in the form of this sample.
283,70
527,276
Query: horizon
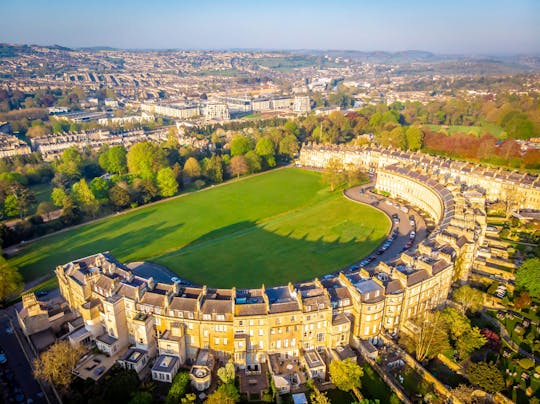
498,27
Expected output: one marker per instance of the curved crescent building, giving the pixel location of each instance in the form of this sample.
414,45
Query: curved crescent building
138,319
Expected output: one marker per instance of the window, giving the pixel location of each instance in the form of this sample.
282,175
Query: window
251,322
320,337
278,344
225,341
220,317
205,333
207,317
261,332
216,341
241,323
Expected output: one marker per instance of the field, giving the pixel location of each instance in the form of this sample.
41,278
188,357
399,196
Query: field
272,228
475,130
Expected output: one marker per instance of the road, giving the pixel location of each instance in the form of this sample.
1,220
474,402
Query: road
362,194
18,351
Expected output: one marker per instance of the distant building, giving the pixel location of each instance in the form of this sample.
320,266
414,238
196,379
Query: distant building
302,104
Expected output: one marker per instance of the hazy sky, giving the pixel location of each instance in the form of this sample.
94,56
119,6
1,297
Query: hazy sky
452,26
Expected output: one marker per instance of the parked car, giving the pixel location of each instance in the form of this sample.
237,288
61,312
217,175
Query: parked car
3,357
99,370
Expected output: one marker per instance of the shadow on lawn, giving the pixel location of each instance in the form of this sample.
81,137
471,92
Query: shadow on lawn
246,255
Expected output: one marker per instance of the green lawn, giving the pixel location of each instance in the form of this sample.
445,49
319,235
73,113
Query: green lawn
277,227
476,130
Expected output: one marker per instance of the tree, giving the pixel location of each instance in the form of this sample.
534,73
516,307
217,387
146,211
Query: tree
288,146
458,324
334,174
318,397
214,169
224,394
11,206
114,160
429,336
464,393
100,188
145,159
346,374
265,149
70,165
470,342
178,388
487,376
527,276
19,200
415,138
141,397
166,182
227,373
84,197
522,301
11,281
45,208
59,197
253,161
238,166
56,365
118,196
470,299
240,145
192,168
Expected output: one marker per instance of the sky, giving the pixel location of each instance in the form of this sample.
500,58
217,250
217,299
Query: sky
447,27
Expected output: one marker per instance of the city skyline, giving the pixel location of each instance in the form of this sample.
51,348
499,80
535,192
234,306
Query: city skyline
499,27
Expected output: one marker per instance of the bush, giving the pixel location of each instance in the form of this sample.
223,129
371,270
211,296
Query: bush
178,388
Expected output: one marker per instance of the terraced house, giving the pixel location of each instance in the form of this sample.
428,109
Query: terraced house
279,328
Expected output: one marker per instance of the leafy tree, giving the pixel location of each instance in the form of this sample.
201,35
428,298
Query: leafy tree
238,166
56,365
114,160
167,182
45,208
470,299
464,393
141,397
470,342
59,197
118,196
214,169
178,388
145,159
458,324
11,206
188,399
70,165
318,397
265,149
334,174
253,161
288,146
11,281
100,188
19,200
346,374
240,145
414,137
192,168
523,301
527,276
227,373
84,197
144,190
487,376
429,337
224,394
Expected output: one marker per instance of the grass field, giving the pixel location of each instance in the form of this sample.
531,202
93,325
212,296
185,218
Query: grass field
273,228
476,130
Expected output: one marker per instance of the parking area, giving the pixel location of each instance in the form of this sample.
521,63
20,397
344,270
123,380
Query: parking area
408,226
